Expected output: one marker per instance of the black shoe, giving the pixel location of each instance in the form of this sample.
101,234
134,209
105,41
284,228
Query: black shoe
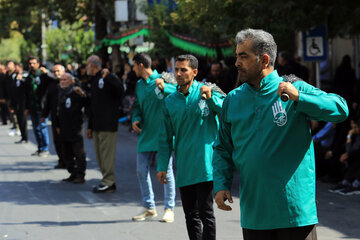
37,153
78,180
339,187
21,141
69,179
60,166
104,188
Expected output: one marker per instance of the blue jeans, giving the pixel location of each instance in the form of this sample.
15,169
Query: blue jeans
40,131
143,173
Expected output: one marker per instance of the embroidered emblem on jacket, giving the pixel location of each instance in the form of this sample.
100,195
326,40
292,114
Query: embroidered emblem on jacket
37,80
101,83
204,108
68,103
158,93
280,116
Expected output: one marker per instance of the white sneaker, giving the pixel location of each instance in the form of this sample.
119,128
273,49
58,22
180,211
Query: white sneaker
168,216
12,133
145,214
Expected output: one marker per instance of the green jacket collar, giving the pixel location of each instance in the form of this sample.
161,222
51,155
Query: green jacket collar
153,76
267,82
192,88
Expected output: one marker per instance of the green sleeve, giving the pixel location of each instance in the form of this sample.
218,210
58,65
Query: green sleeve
165,141
169,89
136,112
216,101
222,160
322,106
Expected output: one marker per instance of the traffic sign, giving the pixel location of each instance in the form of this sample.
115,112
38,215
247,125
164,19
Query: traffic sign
314,42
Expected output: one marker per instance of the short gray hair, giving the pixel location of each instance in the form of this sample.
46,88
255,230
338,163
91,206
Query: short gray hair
95,60
263,43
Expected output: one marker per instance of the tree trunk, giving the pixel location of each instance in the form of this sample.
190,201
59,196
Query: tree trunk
100,32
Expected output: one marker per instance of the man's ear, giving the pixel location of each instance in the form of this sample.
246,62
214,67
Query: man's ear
265,61
195,71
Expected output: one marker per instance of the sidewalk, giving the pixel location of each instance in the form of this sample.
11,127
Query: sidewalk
35,204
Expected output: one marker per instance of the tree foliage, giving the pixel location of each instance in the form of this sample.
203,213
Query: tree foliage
213,20
70,43
10,48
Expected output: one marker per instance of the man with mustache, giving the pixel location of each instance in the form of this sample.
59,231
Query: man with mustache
269,142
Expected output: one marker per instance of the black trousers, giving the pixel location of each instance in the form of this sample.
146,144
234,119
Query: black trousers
74,157
197,201
57,144
352,171
4,112
296,233
21,118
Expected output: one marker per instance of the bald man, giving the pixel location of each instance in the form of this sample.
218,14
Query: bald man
50,107
106,94
68,123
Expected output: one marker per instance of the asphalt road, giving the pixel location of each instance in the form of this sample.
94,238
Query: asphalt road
36,204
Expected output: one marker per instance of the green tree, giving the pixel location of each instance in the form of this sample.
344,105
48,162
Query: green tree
70,43
11,48
214,20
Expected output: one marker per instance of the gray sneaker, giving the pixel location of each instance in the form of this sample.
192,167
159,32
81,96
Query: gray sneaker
43,153
145,213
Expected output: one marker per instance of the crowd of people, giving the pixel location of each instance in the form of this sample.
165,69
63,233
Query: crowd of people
186,118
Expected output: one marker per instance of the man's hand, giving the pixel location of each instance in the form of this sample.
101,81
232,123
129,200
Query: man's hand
328,155
136,127
205,92
289,89
105,72
161,176
11,110
19,76
221,197
43,120
26,112
43,70
79,91
160,83
57,131
2,101
343,157
89,134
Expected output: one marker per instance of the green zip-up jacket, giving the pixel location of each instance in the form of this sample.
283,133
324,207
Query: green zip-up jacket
194,124
269,142
147,110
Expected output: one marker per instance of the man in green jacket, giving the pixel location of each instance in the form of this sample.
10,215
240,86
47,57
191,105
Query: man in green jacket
269,142
146,115
193,122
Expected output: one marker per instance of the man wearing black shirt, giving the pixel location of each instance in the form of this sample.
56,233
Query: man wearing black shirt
36,84
50,106
18,99
106,94
68,123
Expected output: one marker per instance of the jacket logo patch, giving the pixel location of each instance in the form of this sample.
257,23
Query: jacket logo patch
159,94
101,83
68,103
18,83
204,108
37,80
280,116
